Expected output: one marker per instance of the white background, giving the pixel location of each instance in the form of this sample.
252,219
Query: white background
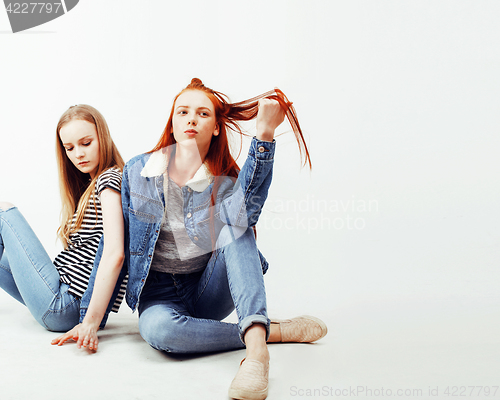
393,236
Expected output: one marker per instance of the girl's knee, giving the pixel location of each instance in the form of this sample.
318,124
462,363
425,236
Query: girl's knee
4,206
164,331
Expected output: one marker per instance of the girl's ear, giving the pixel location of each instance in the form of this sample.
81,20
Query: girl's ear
216,130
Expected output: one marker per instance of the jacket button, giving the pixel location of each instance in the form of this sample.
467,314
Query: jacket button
262,149
188,215
189,189
196,238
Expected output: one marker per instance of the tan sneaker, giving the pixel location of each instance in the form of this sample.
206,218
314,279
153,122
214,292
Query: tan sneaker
251,381
303,329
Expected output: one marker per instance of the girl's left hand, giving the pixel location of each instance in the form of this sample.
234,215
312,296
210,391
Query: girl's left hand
269,117
83,334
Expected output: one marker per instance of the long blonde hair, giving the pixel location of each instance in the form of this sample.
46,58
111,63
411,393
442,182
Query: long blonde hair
74,185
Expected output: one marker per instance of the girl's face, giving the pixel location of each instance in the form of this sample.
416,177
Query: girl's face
194,119
80,140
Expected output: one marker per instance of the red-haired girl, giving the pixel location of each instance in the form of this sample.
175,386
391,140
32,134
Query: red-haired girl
190,246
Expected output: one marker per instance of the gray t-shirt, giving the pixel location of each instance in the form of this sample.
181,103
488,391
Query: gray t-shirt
175,253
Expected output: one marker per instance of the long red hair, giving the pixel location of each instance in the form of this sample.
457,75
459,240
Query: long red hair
219,159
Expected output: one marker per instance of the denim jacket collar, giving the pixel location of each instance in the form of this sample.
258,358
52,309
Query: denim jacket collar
158,163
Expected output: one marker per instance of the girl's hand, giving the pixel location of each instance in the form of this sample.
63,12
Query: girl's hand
269,117
83,334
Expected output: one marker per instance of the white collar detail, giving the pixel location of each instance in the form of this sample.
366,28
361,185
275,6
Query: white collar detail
158,163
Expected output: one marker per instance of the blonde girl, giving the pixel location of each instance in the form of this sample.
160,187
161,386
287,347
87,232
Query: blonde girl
90,168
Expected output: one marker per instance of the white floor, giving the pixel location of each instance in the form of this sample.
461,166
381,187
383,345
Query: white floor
391,334
126,367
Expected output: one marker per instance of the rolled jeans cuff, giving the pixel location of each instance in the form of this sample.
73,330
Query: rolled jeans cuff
254,319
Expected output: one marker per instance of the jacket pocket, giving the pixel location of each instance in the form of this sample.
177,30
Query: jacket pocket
140,226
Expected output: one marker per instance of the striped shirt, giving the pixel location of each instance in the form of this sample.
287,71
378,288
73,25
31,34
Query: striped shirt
75,263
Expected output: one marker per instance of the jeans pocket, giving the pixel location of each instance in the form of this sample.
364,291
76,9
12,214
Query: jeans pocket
63,313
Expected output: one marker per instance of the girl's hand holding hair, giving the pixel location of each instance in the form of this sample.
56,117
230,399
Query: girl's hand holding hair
269,117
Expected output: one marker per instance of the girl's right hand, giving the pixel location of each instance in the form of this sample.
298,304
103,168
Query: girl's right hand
83,334
269,117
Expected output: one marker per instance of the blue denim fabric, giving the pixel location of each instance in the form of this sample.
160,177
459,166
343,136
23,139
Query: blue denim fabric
238,205
182,313
29,275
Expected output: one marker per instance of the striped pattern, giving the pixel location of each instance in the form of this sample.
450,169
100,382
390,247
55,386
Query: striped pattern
75,263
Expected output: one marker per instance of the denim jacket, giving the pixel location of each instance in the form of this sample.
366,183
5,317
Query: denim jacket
238,203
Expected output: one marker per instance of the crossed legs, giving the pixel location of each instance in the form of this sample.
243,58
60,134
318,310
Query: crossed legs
183,313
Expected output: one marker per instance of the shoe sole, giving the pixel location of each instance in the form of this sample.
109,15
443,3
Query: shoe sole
241,394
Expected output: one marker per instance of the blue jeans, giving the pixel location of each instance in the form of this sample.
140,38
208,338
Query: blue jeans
29,275
182,313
